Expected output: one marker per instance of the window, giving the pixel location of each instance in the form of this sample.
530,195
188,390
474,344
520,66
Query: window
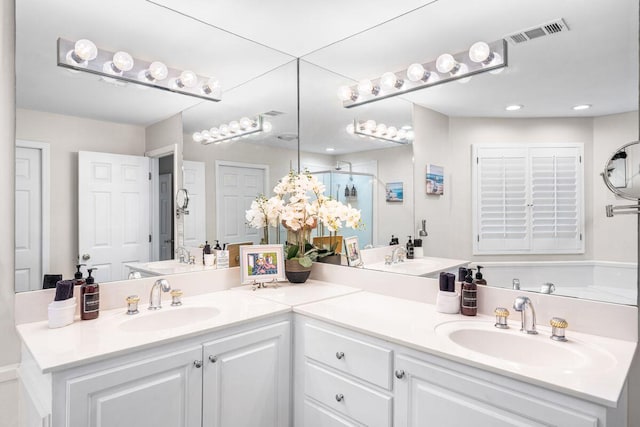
528,199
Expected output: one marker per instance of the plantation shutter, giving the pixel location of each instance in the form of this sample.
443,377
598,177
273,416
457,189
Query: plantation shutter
528,199
502,200
556,199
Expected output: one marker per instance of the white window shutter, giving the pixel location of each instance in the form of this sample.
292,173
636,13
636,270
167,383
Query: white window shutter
502,200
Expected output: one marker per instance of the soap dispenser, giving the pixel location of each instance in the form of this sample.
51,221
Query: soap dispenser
89,298
206,251
479,280
78,280
469,299
394,240
410,249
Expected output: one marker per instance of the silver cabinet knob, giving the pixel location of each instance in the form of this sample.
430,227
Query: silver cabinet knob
213,359
86,257
339,397
197,363
339,355
400,374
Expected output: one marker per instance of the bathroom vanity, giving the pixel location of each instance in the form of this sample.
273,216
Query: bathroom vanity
318,354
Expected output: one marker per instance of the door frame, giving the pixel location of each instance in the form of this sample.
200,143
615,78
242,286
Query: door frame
154,193
218,165
45,197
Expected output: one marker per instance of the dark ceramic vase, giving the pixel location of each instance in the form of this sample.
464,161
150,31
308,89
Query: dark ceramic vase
331,259
295,272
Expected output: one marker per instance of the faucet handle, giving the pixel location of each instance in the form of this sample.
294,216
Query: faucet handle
501,317
558,326
176,294
132,304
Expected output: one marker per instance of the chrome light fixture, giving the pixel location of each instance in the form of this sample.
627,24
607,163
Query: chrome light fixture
481,57
233,130
371,129
83,55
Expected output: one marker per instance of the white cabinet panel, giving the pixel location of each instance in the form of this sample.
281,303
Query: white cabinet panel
160,391
316,416
246,379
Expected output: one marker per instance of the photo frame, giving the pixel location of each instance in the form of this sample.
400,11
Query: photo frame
394,192
325,242
352,251
435,180
261,263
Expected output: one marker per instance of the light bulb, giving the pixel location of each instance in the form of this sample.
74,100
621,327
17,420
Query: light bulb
345,93
381,129
85,49
446,63
392,131
246,123
214,132
156,71
197,137
224,130
365,86
234,126
416,72
205,135
390,81
351,129
267,126
122,61
480,52
402,134
370,125
187,79
210,86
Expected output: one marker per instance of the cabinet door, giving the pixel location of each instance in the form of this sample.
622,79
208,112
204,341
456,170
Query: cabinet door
430,395
159,391
246,379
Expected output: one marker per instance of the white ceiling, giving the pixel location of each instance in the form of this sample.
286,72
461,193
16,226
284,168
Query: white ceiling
596,62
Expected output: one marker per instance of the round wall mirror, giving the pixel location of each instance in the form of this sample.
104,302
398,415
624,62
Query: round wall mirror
622,171
182,198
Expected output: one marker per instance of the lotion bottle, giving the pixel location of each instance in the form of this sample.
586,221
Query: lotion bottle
89,298
469,298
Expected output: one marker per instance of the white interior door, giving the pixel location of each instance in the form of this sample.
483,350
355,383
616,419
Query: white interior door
237,187
195,226
113,196
165,240
29,270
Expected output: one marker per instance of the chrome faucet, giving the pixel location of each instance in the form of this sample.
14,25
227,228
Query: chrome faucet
184,255
155,298
548,288
528,314
397,254
515,283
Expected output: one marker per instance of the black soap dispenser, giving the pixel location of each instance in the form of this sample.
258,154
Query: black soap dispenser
89,298
206,250
78,280
410,249
469,299
479,280
217,247
394,240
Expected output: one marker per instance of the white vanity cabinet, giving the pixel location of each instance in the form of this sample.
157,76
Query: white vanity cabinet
385,384
231,378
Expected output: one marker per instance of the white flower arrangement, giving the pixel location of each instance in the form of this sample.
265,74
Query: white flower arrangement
300,205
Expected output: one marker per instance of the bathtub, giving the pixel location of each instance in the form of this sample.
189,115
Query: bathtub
598,280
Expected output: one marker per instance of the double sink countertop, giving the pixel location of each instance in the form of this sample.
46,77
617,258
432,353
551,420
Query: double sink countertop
590,367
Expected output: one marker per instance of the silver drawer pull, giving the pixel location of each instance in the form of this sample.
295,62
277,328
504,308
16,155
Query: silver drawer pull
400,374
213,359
339,397
339,355
197,363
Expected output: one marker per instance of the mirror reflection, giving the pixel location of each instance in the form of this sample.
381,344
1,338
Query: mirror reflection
73,113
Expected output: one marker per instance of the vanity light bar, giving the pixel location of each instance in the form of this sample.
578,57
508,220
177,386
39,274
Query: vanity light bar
480,58
233,130
83,55
380,131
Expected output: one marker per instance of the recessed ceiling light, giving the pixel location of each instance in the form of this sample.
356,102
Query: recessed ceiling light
582,107
514,107
330,149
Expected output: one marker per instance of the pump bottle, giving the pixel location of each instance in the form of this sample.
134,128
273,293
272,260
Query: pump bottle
89,298
469,299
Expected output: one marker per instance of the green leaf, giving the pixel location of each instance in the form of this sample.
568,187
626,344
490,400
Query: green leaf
305,261
292,251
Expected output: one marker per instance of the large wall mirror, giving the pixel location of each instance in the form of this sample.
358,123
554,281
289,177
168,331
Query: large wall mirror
594,62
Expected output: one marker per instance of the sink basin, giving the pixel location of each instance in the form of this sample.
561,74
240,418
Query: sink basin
168,318
530,351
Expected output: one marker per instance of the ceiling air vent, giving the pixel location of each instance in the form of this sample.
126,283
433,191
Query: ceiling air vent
273,113
542,30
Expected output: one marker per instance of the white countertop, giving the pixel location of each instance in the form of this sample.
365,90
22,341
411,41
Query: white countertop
92,340
292,294
171,266
424,266
413,324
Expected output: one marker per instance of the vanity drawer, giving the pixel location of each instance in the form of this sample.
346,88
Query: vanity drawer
358,358
361,403
316,416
